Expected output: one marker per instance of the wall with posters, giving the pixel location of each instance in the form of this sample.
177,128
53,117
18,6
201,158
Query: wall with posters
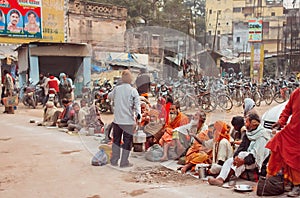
21,18
25,21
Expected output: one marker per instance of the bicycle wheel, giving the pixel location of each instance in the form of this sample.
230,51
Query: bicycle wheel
278,98
257,98
225,102
268,96
207,103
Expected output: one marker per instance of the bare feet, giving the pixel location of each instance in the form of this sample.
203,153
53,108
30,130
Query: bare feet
184,169
215,181
163,159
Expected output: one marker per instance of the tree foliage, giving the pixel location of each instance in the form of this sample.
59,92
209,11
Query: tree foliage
175,14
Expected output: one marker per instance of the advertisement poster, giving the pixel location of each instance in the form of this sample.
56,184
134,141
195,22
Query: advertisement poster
255,30
21,18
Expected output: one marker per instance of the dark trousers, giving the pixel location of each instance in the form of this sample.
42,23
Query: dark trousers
118,131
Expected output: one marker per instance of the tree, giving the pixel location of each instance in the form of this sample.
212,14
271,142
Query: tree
181,15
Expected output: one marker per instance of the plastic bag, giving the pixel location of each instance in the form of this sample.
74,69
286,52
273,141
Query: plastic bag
154,153
100,158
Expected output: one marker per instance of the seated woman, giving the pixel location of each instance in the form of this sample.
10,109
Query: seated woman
213,151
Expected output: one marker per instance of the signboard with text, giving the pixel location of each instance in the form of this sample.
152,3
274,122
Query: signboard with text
255,30
21,18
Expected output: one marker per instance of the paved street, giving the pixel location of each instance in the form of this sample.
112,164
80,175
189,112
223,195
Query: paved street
41,162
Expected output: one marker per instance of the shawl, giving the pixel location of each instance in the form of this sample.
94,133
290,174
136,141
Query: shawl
258,140
222,129
248,105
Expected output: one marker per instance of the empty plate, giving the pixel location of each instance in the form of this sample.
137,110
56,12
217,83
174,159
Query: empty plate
243,188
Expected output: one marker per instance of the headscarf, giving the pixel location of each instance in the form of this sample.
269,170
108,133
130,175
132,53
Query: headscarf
222,128
248,105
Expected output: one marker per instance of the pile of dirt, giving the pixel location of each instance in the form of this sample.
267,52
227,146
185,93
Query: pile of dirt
159,174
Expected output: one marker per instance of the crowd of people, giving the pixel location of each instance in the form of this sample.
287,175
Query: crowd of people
229,149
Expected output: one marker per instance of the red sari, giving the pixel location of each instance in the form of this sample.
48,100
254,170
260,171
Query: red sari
285,145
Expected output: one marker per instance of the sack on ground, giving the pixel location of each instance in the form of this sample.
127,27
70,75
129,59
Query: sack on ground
270,186
100,158
154,153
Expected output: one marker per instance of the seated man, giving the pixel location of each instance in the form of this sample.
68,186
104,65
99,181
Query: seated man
67,114
78,121
51,114
176,119
145,114
250,154
93,119
181,138
219,145
238,131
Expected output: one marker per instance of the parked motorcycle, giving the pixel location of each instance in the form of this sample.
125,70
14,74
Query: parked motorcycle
29,96
87,93
40,94
103,102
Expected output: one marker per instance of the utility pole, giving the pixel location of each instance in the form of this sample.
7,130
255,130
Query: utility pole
278,36
291,45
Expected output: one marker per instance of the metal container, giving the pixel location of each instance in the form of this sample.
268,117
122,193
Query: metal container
139,137
202,172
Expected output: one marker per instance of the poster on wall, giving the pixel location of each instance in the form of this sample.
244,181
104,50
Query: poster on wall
21,18
255,30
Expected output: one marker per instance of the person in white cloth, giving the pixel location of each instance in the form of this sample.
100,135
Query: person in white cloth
250,154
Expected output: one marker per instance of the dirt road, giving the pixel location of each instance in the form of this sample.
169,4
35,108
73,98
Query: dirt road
41,162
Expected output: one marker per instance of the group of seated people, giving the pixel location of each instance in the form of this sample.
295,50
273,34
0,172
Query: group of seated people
229,151
74,116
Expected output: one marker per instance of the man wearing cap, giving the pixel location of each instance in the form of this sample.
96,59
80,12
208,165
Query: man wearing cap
65,86
51,114
127,113
250,154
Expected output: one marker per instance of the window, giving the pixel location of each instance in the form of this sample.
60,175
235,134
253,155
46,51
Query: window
237,9
219,32
219,23
273,14
137,36
155,37
219,11
210,11
89,23
227,23
209,32
238,39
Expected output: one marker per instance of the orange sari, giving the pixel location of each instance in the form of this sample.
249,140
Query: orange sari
180,120
197,153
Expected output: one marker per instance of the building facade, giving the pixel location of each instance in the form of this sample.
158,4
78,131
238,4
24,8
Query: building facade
229,19
102,26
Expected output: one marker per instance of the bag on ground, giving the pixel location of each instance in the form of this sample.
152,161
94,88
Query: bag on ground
270,186
100,158
154,153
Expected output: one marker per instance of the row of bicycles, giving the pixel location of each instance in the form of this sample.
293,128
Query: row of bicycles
211,93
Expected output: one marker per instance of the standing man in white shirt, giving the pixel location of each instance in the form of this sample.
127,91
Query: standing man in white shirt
127,114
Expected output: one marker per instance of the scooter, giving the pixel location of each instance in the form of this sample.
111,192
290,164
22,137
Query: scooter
53,96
